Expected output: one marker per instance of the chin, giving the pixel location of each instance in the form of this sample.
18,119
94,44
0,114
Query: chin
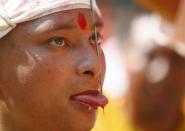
84,123
86,127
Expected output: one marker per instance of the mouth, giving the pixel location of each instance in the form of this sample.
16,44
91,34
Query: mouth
90,100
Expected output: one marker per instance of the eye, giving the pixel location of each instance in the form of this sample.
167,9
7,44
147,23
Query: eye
57,41
99,37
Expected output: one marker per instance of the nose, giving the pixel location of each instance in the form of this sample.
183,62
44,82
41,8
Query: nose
88,66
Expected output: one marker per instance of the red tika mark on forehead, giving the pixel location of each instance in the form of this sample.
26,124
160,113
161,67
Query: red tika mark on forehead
82,21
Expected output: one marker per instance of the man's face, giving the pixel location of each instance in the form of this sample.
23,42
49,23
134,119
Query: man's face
44,63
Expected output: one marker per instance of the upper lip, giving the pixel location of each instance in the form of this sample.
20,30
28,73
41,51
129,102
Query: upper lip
92,98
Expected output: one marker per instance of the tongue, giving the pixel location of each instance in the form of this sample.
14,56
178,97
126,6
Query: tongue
92,99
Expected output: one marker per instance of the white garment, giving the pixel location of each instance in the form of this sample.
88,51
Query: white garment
13,12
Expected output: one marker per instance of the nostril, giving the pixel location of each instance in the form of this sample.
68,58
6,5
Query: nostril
88,72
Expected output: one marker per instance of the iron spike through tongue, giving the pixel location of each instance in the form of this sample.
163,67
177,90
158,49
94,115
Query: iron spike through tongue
97,46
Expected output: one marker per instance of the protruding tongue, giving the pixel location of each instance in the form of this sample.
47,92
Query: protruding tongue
92,99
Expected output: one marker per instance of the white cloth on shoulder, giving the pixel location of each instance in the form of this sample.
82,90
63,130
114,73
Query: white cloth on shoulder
13,12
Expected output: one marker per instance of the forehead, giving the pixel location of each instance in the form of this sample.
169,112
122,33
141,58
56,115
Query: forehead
65,18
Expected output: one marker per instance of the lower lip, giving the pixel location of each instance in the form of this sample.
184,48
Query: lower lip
83,106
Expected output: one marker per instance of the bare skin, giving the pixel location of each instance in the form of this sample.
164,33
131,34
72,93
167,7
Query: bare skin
43,63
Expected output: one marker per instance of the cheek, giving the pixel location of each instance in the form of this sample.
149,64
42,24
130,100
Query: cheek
38,70
44,89
49,71
43,66
24,70
51,67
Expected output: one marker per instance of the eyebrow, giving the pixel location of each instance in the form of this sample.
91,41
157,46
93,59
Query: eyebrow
62,27
49,26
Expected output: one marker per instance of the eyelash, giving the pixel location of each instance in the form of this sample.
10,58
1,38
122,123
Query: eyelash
99,39
57,41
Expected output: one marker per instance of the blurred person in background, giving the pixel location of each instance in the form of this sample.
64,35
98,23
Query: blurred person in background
156,94
156,66
156,71
146,45
155,98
